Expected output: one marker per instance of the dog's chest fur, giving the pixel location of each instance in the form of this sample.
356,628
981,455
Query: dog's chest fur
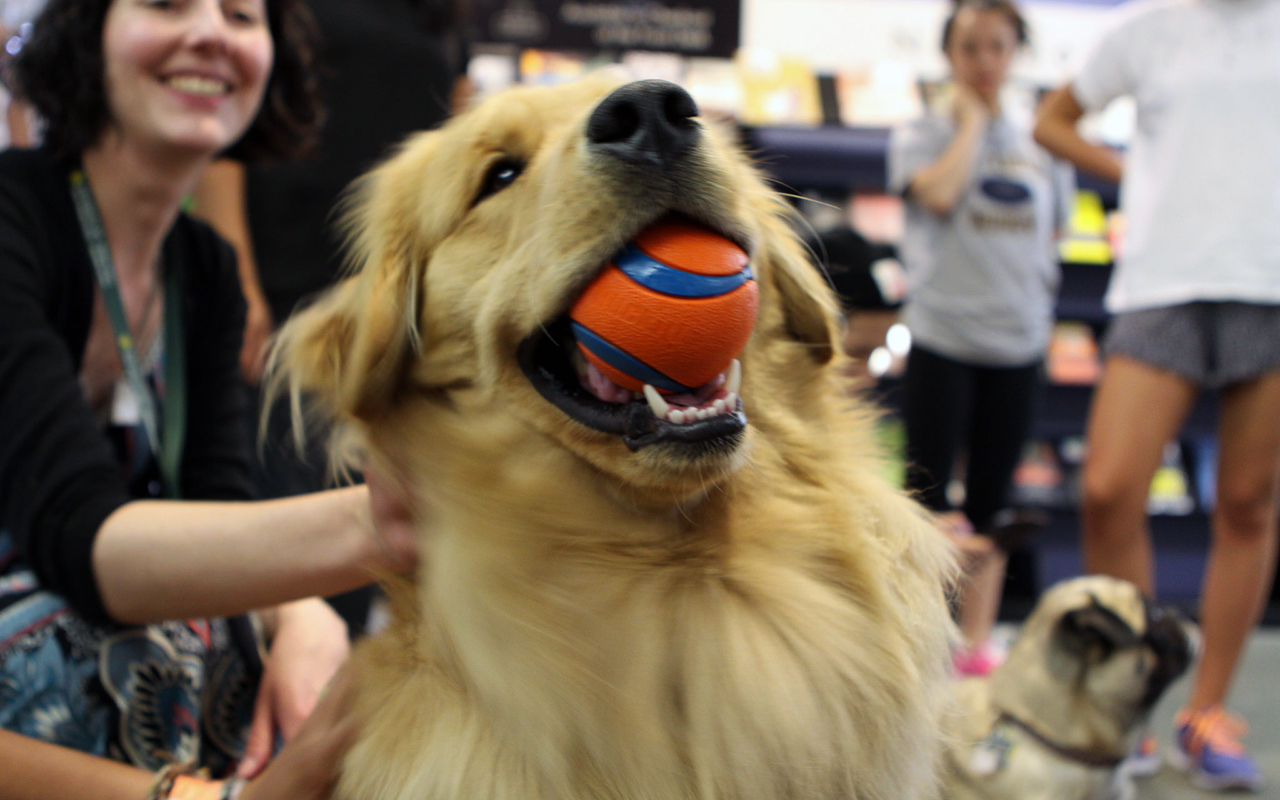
695,656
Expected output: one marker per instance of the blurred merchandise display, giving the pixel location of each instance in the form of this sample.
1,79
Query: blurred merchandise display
550,67
1073,354
1170,489
881,95
1204,450
879,217
1038,480
777,90
1086,239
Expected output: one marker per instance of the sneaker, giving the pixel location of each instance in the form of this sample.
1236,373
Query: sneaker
977,661
1210,752
1145,759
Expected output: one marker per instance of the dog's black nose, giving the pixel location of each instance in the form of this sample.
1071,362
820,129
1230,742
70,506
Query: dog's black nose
646,122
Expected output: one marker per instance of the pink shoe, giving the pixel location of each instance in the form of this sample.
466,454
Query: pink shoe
977,661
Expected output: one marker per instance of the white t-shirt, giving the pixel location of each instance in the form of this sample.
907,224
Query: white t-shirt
981,281
1201,188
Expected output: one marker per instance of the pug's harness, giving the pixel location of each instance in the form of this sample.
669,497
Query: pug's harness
1073,754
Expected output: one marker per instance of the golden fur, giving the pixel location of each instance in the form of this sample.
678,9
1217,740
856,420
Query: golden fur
766,621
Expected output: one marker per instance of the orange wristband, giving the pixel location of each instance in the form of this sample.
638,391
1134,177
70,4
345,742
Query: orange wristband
187,787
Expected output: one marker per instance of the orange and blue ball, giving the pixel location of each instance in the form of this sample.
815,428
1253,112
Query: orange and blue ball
672,310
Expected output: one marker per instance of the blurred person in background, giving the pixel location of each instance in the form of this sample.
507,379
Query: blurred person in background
984,204
1196,305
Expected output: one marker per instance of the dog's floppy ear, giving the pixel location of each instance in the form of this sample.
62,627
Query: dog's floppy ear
1095,629
351,349
809,306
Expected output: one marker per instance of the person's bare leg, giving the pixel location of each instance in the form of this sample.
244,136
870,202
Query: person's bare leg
1242,556
979,600
1136,410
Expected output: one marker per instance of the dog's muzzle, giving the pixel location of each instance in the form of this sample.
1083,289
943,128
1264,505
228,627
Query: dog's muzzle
1172,638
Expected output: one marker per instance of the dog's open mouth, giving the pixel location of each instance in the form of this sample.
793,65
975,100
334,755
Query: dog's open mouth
708,415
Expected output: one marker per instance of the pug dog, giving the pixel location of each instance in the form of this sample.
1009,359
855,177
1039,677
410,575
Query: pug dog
1059,716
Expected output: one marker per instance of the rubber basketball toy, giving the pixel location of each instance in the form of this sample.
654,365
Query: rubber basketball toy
672,310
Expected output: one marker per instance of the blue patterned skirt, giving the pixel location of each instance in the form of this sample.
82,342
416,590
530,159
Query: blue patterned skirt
149,695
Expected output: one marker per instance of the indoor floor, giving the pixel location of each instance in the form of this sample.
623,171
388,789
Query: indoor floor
1257,695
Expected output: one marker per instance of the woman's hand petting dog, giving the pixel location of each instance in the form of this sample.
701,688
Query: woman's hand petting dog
308,645
307,767
396,519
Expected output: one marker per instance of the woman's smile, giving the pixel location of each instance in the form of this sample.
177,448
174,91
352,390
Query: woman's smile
210,59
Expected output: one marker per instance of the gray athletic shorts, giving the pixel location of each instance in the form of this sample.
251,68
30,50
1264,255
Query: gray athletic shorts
1211,344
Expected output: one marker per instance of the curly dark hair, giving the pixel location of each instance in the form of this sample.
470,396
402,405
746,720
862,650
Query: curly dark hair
1005,7
60,72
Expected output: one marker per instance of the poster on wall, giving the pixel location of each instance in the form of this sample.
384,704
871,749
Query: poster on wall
688,27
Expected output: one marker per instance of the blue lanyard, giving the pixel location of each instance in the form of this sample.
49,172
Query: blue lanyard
168,449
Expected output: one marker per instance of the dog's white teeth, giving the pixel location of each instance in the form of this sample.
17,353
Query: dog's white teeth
734,382
659,406
679,415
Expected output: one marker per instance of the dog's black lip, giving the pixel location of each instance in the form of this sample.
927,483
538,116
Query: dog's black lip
540,357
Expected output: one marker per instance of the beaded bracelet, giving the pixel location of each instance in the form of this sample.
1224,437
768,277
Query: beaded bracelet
163,783
174,782
189,787
232,787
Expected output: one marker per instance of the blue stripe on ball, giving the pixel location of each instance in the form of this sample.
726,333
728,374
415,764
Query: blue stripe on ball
655,275
624,362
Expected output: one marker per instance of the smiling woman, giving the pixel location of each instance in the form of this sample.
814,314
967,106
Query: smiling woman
75,107
179,75
120,324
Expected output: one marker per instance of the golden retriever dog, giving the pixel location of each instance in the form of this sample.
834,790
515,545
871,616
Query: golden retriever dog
611,604
1055,720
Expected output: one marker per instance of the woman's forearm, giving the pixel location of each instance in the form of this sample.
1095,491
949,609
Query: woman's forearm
938,186
1056,132
157,559
35,770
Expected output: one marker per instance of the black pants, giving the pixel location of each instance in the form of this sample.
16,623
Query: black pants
950,407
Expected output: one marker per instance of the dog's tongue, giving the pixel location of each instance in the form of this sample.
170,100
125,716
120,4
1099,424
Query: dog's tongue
595,382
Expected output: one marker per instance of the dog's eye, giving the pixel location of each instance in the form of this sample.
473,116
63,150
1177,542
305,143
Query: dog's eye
501,175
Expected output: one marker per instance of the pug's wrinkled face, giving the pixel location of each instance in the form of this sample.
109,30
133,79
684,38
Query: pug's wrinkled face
1119,649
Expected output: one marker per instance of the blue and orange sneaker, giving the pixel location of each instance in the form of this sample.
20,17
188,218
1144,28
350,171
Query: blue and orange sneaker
1210,752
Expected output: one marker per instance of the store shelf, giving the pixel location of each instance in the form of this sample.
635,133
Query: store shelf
1080,293
1181,541
830,158
834,158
